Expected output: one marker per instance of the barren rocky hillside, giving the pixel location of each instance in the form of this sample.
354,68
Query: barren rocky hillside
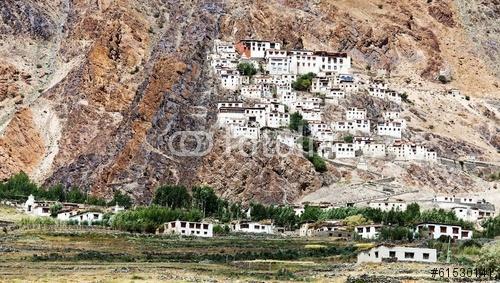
93,92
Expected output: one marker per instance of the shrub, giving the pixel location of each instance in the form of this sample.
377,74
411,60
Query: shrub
443,79
303,83
247,69
221,230
297,123
318,163
55,209
348,139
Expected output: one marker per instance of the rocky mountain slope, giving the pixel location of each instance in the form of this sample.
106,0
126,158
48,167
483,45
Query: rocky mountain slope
93,92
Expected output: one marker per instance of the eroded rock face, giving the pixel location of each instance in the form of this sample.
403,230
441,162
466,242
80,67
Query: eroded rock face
21,146
265,172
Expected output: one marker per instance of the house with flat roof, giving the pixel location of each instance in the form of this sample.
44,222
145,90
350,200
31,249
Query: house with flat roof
186,228
436,230
397,253
389,204
371,231
262,227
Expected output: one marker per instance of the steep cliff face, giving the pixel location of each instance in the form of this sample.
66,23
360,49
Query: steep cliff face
92,93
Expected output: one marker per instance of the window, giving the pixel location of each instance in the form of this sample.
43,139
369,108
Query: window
455,230
191,225
409,255
392,254
172,224
376,254
443,229
426,255
183,224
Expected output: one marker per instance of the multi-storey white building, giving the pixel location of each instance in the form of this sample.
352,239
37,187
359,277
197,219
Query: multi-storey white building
474,213
353,127
277,62
391,129
277,119
368,231
186,228
344,150
252,48
223,47
355,114
408,152
388,204
231,115
305,61
230,79
381,253
245,132
436,230
311,115
256,115
374,150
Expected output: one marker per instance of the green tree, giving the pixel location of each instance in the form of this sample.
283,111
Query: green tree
311,213
299,125
121,199
348,139
396,234
247,69
258,212
303,83
55,209
492,227
172,197
205,199
76,196
284,216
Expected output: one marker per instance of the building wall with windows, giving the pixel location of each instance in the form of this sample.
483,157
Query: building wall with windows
186,228
378,254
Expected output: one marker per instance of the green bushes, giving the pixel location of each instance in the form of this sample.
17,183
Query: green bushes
492,227
247,69
396,234
303,83
19,187
172,197
318,163
348,139
121,199
148,219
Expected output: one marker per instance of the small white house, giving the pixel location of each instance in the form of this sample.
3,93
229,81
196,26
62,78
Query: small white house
391,129
230,79
88,217
253,227
186,228
386,253
355,114
474,213
437,230
36,208
344,150
388,205
368,231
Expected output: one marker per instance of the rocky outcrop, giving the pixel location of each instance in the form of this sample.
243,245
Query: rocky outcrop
21,146
267,172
